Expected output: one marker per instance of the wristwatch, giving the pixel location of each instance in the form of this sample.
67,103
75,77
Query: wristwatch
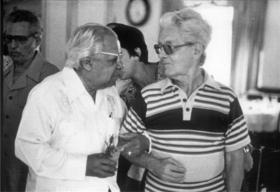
248,148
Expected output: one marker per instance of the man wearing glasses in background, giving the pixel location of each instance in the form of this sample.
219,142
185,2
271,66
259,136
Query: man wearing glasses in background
70,124
22,38
196,124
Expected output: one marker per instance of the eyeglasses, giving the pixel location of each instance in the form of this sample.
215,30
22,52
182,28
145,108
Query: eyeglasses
169,48
117,55
109,53
17,38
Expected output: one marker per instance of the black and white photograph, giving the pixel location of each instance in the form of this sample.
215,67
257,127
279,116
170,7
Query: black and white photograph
140,96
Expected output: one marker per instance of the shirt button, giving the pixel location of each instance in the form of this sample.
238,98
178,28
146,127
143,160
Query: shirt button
10,97
7,116
6,135
187,109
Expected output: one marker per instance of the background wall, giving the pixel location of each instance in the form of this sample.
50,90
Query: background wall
62,17
269,69
55,31
149,29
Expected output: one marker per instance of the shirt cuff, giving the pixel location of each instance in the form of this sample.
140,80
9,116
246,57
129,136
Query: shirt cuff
76,164
150,141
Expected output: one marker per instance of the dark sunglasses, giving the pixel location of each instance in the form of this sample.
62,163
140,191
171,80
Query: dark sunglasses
169,48
17,38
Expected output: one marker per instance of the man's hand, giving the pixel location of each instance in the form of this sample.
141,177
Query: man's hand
100,165
133,144
168,169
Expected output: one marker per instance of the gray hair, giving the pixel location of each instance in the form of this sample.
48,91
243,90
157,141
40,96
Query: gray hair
190,23
83,40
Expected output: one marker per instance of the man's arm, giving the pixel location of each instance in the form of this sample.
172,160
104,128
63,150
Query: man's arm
166,168
234,170
237,138
33,142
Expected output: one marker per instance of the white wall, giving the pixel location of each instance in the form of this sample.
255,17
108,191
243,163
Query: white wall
269,69
149,29
55,31
91,11
61,17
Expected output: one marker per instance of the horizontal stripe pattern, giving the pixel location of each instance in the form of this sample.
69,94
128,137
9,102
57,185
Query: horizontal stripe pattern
187,142
157,101
212,99
133,122
190,139
154,184
237,132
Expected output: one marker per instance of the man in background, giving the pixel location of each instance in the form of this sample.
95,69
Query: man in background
136,71
135,74
22,37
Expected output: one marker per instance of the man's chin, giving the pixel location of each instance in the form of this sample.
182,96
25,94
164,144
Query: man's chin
124,78
168,75
17,60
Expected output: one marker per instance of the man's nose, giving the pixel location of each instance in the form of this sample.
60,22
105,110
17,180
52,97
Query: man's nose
13,43
162,54
119,65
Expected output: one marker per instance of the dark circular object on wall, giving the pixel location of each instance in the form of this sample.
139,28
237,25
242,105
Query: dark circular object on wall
138,12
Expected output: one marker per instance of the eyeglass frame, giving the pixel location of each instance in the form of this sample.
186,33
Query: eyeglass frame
158,47
9,38
118,55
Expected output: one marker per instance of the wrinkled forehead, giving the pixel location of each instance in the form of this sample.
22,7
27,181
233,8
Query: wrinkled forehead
174,33
18,28
109,43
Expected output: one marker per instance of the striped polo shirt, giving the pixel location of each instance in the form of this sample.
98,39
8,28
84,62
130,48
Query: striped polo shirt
195,129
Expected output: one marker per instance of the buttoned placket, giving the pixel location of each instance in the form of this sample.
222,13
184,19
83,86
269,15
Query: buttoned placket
187,102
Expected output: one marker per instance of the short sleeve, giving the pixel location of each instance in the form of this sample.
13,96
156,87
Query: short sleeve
237,134
135,118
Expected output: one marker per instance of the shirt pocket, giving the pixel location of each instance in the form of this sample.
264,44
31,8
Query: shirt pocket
113,125
70,136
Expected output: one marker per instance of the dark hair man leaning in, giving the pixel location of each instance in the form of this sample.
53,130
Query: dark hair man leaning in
136,73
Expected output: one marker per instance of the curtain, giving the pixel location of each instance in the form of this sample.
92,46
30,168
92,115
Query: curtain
248,28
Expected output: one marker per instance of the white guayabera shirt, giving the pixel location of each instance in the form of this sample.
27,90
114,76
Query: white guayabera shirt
60,126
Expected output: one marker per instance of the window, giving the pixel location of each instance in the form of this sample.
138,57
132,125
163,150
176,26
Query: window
218,52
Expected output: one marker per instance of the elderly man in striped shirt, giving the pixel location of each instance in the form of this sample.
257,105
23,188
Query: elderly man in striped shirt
196,124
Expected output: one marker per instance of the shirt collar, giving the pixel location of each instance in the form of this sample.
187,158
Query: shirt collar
34,68
33,72
208,80
73,83
166,83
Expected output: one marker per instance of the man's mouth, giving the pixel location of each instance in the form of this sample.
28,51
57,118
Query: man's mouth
15,54
163,63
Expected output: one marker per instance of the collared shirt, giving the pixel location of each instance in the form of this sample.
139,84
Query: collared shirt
196,130
61,125
14,172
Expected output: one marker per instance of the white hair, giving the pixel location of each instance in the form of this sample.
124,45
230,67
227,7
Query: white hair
190,23
83,41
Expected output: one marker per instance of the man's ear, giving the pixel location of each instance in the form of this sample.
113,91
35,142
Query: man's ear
138,51
198,50
38,40
86,64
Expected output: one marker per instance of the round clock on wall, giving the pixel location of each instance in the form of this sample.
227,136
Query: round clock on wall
137,12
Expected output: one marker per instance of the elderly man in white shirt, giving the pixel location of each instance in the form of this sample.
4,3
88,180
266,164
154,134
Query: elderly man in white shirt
72,117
